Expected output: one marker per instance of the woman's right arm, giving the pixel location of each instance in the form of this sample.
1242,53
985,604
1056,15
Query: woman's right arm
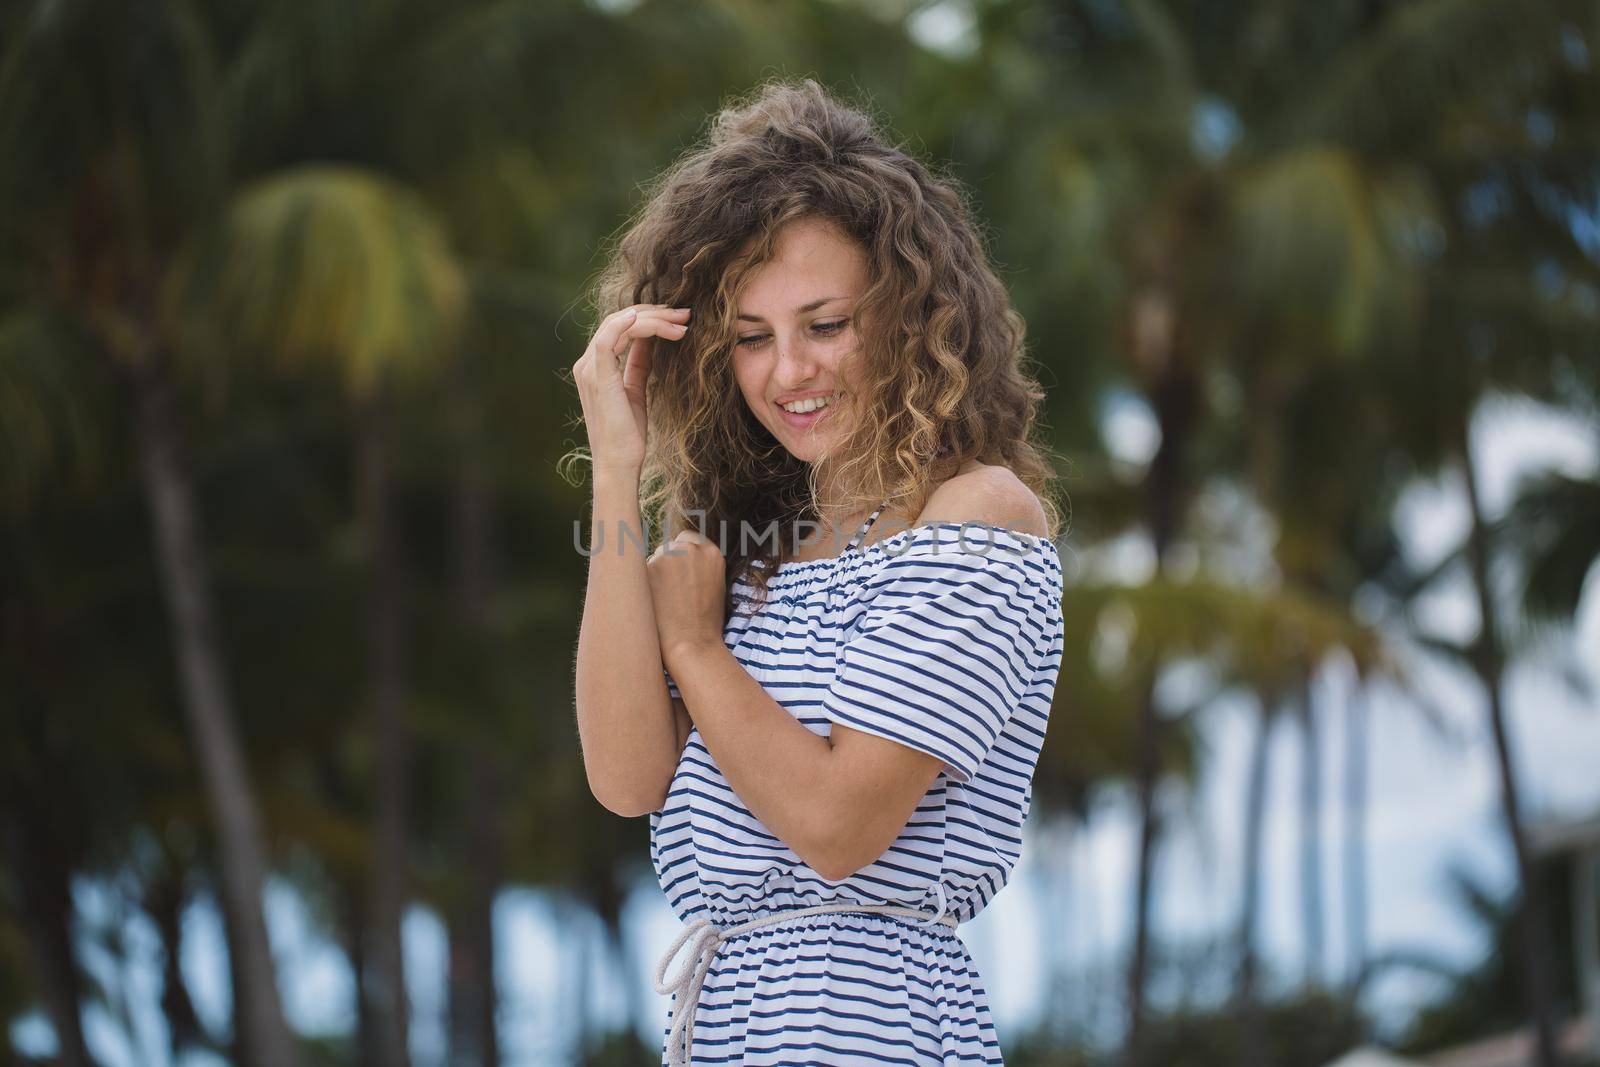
627,725
630,728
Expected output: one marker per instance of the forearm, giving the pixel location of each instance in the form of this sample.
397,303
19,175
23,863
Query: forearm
782,771
625,721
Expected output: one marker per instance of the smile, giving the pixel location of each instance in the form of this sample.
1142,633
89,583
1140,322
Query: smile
811,411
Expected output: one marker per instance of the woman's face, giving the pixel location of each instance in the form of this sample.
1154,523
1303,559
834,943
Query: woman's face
795,326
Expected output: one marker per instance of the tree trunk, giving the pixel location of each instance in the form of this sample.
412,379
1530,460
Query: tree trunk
1310,831
1148,778
607,896
385,984
357,928
45,886
474,1003
474,1040
580,941
164,901
1059,908
265,1038
1488,661
634,1006
1355,857
1255,813
349,891
1173,394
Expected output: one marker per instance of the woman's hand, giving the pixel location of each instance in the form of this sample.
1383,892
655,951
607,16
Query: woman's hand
687,576
611,376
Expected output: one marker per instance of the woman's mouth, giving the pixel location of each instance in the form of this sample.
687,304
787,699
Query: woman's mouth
805,419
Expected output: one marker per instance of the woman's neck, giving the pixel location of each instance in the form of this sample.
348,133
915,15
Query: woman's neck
945,467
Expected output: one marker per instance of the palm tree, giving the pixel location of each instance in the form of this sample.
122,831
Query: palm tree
42,869
97,784
474,1038
1497,322
1480,1000
347,268
1334,497
102,185
1553,527
1487,658
1296,630
450,74
1174,135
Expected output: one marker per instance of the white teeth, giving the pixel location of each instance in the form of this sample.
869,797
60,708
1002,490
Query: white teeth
800,407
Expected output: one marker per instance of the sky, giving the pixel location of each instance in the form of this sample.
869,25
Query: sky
1433,803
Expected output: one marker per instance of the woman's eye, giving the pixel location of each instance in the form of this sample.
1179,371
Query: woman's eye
825,328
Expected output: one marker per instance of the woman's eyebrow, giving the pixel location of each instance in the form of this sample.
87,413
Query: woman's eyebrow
798,311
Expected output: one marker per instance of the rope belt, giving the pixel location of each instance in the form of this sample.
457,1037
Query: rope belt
706,938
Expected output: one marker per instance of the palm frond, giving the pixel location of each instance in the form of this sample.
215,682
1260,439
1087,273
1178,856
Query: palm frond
330,265
50,427
1311,248
1424,65
1553,527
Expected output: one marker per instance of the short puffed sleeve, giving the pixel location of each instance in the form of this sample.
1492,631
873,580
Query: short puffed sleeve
948,644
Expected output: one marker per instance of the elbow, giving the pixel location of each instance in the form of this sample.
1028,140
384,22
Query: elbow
834,874
839,864
626,781
628,803
829,863
634,811
835,850
848,837
629,806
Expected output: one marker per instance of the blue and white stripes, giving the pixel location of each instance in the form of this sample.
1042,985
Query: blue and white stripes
929,640
945,654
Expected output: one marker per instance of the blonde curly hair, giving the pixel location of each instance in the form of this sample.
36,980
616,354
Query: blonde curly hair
941,371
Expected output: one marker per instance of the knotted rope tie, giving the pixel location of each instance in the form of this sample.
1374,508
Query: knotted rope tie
705,939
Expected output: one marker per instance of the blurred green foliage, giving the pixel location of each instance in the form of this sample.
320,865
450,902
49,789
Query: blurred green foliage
1304,241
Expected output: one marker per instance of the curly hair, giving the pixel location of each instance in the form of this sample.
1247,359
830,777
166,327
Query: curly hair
940,368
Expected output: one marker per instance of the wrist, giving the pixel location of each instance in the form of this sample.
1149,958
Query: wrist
617,474
686,650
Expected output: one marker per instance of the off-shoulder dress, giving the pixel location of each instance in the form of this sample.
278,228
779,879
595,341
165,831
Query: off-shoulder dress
946,637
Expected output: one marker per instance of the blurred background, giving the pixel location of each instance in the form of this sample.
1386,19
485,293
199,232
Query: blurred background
289,581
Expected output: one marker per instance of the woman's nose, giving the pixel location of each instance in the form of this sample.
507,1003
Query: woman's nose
796,359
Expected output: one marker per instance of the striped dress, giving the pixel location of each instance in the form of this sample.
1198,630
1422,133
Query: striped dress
944,637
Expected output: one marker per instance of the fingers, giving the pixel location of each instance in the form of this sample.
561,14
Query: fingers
619,331
619,328
671,324
674,546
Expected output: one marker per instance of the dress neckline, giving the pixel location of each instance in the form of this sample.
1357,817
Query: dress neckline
991,538
861,531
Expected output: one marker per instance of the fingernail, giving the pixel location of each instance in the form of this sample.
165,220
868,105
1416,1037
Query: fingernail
630,313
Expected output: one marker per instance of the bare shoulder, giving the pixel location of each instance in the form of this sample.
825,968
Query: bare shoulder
989,494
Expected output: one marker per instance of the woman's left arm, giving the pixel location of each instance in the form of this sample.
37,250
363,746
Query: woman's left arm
836,818
839,802
790,778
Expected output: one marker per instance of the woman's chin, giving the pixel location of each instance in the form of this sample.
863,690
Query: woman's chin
808,447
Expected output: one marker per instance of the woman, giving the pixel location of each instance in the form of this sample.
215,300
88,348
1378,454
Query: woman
834,740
